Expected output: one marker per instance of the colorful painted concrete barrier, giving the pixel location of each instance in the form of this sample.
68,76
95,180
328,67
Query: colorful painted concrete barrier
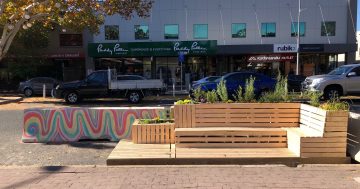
74,124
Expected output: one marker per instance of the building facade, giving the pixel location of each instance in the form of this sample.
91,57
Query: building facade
212,37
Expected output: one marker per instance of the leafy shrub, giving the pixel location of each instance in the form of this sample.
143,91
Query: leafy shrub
280,94
211,96
314,97
221,91
238,96
249,95
199,94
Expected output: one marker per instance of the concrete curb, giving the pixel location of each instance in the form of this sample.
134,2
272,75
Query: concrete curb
8,101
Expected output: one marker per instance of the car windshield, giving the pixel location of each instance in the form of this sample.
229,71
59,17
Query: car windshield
340,70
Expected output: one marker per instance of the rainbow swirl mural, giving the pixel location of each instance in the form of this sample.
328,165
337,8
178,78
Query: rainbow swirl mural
74,124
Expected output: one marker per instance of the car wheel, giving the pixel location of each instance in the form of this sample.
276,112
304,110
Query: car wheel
134,97
72,98
332,93
28,92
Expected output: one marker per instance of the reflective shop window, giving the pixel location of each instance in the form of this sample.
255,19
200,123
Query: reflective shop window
111,32
141,32
328,28
238,30
171,31
200,31
268,30
294,29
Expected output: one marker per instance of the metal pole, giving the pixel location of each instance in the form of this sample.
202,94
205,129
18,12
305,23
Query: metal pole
298,41
44,91
181,77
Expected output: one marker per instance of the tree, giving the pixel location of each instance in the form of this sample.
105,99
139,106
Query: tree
17,15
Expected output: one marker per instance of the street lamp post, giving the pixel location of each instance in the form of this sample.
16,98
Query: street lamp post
298,40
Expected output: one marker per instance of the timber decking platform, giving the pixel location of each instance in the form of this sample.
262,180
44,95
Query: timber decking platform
128,153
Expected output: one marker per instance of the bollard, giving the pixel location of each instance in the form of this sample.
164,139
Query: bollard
44,91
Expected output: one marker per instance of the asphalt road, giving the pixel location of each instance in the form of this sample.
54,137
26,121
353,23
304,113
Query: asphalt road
14,152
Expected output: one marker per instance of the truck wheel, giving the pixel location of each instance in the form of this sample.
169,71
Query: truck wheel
72,98
332,93
28,92
134,97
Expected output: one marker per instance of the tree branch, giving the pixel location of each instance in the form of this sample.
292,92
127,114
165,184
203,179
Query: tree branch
2,6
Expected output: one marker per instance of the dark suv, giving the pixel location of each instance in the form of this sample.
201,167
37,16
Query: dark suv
234,80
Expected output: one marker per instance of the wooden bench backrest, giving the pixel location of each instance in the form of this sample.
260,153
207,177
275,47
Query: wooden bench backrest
273,115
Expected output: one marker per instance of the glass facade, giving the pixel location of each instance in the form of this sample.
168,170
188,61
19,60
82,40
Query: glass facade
294,29
328,28
111,32
141,32
200,31
171,31
268,30
238,30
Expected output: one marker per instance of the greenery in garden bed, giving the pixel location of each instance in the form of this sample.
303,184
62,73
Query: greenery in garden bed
279,95
156,120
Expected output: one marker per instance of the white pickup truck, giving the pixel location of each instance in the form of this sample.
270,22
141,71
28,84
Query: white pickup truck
107,84
344,80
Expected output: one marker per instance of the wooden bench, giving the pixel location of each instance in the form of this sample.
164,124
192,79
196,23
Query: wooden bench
235,125
321,133
227,137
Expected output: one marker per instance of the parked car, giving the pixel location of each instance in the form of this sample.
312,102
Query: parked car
107,84
206,79
35,86
344,80
234,80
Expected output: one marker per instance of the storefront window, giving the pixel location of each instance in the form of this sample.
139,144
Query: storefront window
328,28
268,30
171,31
111,32
200,31
141,32
238,30
294,29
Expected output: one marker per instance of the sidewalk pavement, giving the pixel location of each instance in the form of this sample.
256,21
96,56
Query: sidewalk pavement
209,177
10,99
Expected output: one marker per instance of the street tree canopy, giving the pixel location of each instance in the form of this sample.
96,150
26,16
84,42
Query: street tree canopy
18,15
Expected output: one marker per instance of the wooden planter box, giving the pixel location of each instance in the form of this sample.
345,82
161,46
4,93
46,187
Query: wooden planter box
322,133
153,133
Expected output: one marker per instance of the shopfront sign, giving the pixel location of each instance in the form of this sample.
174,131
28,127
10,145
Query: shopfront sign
271,58
66,55
152,49
312,48
285,48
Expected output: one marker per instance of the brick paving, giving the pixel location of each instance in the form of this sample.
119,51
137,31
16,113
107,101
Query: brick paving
209,177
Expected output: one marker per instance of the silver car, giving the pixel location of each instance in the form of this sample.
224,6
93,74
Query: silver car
344,80
35,86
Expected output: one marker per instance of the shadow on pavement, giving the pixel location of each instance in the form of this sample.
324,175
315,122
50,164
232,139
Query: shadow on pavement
90,144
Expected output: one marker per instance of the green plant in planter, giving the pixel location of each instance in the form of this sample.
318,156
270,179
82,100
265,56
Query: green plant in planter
249,95
314,97
238,96
335,105
156,120
221,91
280,94
211,96
186,101
199,95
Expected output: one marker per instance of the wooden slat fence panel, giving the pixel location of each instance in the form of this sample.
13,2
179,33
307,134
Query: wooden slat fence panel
153,133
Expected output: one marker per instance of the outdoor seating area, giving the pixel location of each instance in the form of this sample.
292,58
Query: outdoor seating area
242,133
